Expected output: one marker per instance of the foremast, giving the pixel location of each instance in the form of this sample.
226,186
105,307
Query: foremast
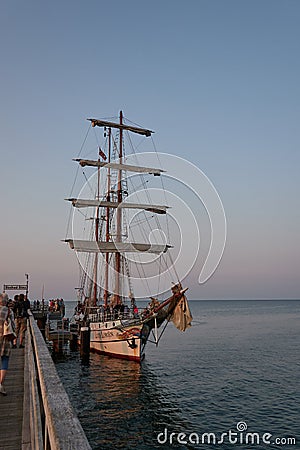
119,217
95,284
107,218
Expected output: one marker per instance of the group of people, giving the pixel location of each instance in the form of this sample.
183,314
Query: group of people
105,312
57,305
37,305
17,311
54,305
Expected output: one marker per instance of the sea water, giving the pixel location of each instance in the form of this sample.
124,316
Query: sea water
231,381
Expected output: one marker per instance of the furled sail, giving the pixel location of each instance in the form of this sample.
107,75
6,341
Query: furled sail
83,203
182,317
120,126
119,166
115,247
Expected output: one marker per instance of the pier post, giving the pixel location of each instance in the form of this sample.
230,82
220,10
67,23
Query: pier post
85,336
73,342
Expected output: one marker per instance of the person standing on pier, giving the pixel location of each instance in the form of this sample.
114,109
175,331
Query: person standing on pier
5,345
21,315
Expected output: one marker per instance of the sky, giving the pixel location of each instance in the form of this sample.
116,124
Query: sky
218,81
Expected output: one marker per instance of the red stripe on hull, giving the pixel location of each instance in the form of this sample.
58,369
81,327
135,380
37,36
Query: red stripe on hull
116,355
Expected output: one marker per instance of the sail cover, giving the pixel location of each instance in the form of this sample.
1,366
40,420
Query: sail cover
119,166
115,247
105,123
83,203
182,317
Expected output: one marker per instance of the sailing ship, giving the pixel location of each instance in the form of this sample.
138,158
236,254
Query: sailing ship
116,248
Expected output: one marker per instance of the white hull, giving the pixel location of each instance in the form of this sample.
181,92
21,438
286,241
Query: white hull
113,339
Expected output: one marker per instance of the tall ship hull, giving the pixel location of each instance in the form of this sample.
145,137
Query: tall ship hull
121,342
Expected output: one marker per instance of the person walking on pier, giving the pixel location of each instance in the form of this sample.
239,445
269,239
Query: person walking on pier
5,345
21,315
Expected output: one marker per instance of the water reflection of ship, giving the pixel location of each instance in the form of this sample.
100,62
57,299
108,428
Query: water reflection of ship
116,386
118,399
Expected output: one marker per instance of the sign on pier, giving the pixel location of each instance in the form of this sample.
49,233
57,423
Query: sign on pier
14,287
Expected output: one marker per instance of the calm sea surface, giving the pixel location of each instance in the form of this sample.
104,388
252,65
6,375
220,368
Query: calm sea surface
236,369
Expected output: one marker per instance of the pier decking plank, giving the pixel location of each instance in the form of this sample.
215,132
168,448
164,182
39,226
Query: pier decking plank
11,406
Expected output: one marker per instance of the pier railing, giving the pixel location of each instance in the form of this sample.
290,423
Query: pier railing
49,420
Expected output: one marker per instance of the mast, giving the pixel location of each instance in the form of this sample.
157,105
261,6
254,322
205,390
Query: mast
119,214
96,239
105,294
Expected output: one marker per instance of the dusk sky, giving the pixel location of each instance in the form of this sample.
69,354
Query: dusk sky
218,81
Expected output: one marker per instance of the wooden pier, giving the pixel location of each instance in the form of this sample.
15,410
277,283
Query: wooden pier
11,406
36,413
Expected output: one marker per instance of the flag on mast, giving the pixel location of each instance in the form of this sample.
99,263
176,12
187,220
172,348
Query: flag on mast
102,154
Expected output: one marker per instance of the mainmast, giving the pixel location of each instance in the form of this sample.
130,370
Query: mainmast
105,294
119,215
95,285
